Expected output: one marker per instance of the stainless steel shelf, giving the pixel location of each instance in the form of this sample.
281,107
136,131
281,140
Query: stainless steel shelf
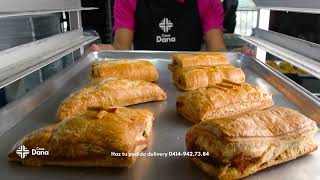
300,53
37,5
288,3
20,61
28,13
305,6
291,9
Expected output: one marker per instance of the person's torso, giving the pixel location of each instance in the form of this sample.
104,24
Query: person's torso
167,25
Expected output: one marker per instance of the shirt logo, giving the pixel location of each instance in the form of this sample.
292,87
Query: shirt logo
166,25
22,152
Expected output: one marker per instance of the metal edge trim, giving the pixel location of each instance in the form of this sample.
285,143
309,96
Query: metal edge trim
159,52
288,87
291,59
289,9
36,98
41,64
290,82
28,13
305,5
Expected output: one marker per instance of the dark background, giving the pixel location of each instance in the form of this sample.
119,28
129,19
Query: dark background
300,25
100,20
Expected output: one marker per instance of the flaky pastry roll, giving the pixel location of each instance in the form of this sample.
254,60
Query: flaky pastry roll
197,59
222,100
244,144
92,139
200,77
106,92
125,69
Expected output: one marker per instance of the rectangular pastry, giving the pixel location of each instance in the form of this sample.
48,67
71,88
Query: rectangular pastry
200,77
197,59
125,69
242,145
222,100
92,139
109,92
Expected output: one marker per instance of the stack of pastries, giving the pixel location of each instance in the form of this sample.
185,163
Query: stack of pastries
201,70
93,125
234,124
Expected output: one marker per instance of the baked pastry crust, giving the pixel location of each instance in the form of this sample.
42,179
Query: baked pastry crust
88,139
242,145
200,77
125,69
109,92
197,59
222,100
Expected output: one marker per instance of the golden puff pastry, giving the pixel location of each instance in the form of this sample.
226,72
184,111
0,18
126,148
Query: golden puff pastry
90,139
125,69
106,92
200,77
222,100
242,145
197,59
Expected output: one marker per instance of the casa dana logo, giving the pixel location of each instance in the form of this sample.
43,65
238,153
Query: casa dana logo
165,25
23,152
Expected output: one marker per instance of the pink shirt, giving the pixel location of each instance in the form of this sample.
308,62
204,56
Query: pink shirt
210,11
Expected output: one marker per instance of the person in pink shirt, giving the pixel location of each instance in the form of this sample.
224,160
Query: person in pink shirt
170,25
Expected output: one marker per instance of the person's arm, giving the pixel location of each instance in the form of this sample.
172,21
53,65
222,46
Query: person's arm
123,39
124,22
211,15
123,29
214,40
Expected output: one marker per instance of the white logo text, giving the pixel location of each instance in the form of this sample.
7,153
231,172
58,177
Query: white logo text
40,152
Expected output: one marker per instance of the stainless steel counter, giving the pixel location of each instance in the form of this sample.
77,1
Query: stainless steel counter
38,109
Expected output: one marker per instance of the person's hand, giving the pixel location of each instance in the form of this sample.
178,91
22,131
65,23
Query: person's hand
245,50
99,47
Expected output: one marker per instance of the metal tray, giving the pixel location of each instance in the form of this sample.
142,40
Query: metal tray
38,108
